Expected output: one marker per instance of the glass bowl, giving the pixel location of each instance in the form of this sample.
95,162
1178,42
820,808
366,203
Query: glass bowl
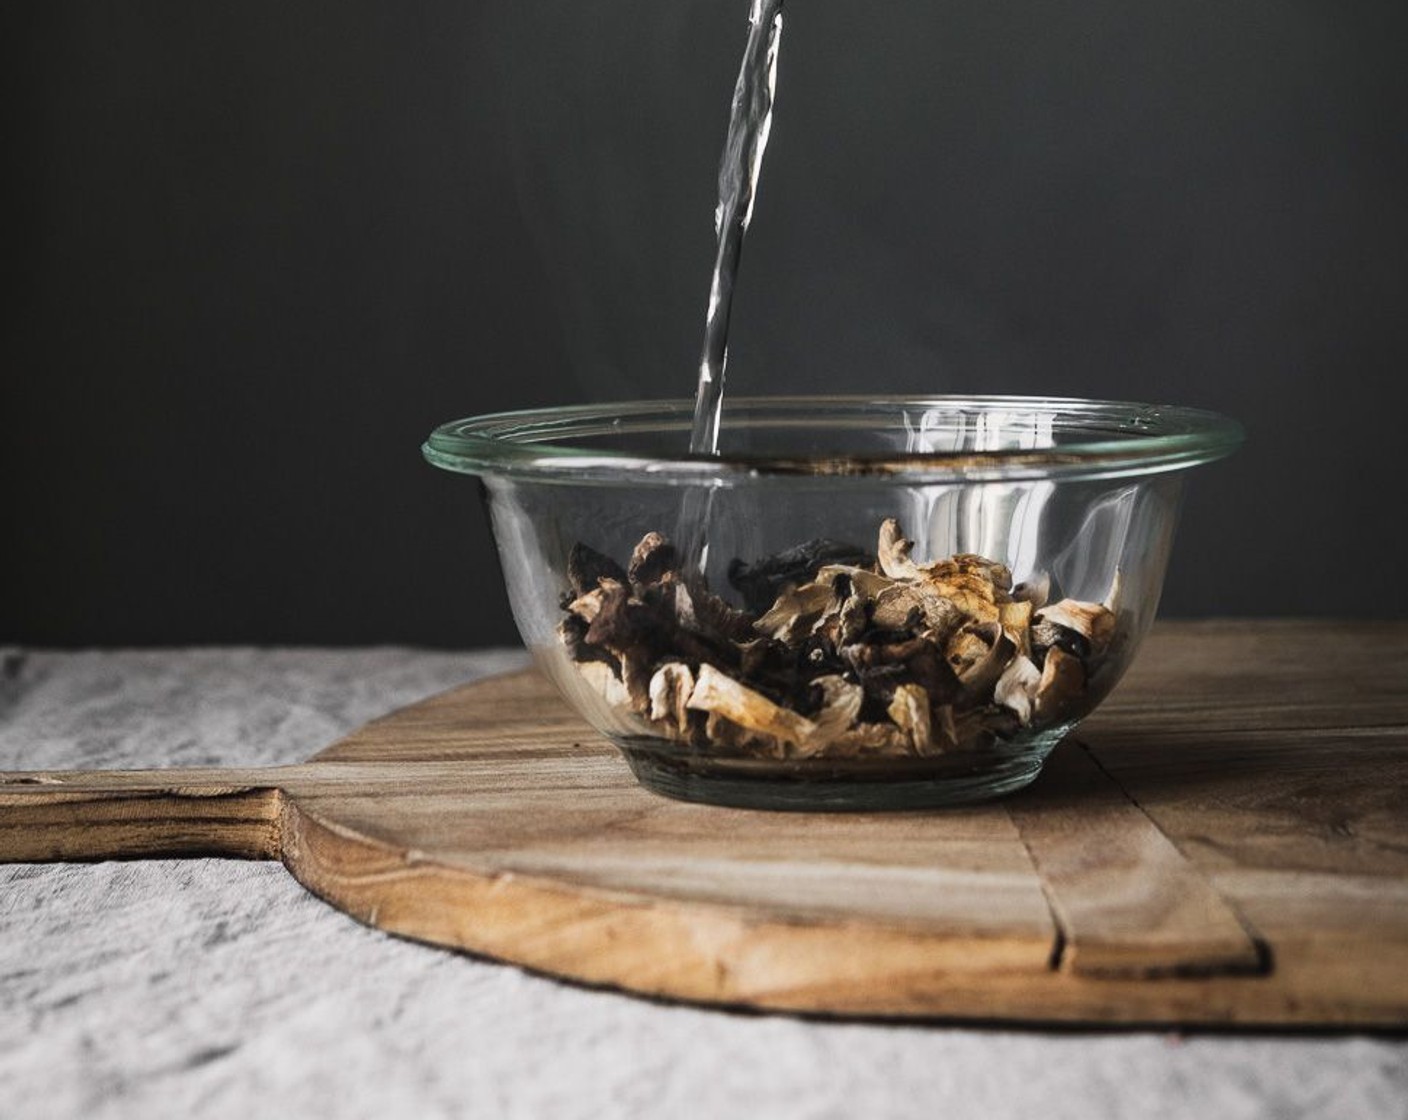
860,603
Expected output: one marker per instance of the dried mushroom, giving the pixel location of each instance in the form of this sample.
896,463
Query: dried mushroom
762,582
836,653
1017,687
670,690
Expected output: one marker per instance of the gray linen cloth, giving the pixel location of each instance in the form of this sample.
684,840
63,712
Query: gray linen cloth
218,988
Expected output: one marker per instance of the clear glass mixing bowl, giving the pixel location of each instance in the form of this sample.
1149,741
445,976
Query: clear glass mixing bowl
860,603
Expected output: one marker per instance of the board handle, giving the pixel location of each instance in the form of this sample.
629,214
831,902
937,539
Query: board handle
134,814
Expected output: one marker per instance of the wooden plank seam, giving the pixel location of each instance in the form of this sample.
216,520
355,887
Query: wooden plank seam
1125,900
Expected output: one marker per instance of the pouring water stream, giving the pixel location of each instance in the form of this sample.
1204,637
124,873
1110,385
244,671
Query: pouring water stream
750,122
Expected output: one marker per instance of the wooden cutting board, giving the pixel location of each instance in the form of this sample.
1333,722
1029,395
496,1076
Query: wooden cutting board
1227,843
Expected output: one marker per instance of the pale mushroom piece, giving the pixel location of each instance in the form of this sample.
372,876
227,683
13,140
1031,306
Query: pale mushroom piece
683,603
839,713
670,689
719,694
910,712
848,616
851,620
893,552
867,583
983,676
1094,622
873,739
969,564
587,606
1119,625
1062,682
795,615
1034,591
1016,620
971,587
895,605
603,607
978,654
967,647
841,699
604,683
1112,597
1016,688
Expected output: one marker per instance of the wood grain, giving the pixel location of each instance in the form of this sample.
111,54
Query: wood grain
1229,846
1128,902
114,815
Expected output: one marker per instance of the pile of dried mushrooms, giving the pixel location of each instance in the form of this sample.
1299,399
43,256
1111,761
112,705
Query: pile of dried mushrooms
838,654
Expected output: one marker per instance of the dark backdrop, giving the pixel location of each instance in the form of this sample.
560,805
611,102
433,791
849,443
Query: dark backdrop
263,247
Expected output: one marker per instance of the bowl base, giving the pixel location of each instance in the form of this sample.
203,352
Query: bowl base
815,786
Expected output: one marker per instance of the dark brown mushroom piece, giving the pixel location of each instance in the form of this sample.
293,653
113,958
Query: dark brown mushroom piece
586,568
715,616
761,582
654,558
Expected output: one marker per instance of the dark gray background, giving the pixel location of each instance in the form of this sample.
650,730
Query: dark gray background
262,248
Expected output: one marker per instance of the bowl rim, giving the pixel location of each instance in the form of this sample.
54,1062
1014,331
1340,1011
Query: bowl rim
534,444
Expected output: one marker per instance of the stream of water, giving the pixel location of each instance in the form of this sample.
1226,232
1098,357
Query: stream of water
749,124
750,121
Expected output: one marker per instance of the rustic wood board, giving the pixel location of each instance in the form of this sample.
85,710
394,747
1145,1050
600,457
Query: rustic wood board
1226,844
